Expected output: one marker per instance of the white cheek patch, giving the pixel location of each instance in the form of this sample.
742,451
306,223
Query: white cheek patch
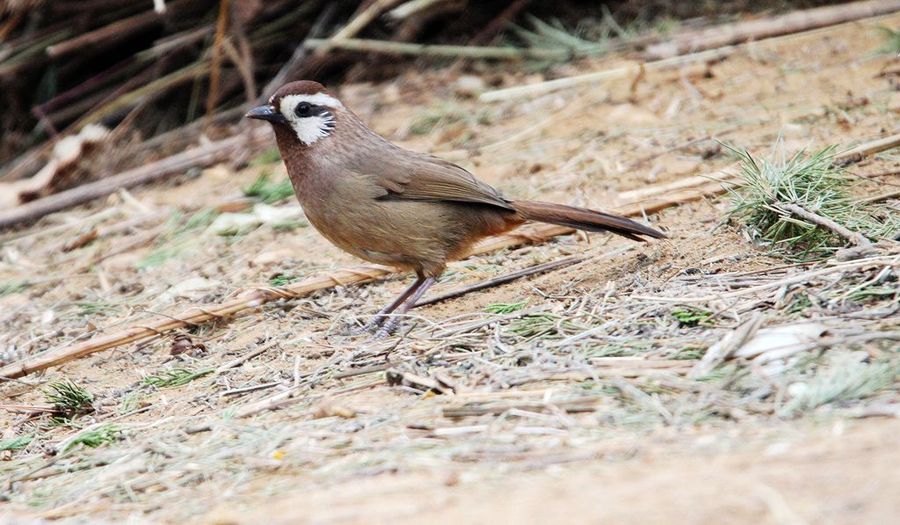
310,129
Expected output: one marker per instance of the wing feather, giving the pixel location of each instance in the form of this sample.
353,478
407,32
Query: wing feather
414,176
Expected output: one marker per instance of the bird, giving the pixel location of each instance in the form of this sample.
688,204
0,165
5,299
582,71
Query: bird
396,207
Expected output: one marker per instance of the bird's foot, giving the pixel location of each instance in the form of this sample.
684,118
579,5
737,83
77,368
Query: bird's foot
368,328
387,328
379,328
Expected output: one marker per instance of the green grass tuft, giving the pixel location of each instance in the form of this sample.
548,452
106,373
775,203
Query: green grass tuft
541,325
269,191
11,287
691,316
270,156
799,303
505,308
690,353
554,35
102,435
16,443
68,398
845,379
811,181
175,377
289,225
92,308
891,43
875,292
177,237
130,402
614,350
282,279
441,115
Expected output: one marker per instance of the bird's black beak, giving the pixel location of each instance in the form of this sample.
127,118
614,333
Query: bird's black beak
266,112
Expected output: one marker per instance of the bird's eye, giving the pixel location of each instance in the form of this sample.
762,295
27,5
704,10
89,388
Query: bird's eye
303,109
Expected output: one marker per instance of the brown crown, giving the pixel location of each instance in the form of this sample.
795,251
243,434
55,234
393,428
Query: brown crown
300,87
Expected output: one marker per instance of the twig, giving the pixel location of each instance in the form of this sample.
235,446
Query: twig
478,409
727,346
215,68
794,22
145,92
397,377
499,22
246,357
251,388
404,48
725,175
856,238
868,149
280,400
115,31
591,78
202,156
291,66
359,23
879,198
503,279
411,8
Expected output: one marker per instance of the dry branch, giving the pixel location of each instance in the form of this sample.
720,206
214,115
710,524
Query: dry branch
794,22
725,175
117,30
359,22
855,237
503,279
868,149
404,48
591,78
293,64
878,198
573,406
497,24
202,156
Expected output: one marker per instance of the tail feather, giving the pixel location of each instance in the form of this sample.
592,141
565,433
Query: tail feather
584,219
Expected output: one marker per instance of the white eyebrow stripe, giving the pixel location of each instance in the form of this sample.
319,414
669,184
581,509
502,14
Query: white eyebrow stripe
318,99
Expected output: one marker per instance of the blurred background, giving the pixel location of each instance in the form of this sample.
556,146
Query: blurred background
162,72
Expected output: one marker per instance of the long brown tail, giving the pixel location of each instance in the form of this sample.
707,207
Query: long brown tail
584,219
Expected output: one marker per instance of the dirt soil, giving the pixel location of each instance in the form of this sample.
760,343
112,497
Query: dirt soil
574,401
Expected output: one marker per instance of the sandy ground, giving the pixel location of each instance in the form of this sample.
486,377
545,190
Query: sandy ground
835,473
353,449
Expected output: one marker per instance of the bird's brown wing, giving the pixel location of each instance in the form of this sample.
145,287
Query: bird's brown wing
423,177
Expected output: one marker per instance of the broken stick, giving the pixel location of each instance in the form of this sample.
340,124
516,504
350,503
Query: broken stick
206,155
793,22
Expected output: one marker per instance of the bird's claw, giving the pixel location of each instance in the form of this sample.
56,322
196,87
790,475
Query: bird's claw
387,328
379,326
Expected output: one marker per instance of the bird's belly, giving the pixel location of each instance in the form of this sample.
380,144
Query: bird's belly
415,235
394,233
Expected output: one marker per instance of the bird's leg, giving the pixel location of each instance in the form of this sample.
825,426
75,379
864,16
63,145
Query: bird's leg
380,317
388,327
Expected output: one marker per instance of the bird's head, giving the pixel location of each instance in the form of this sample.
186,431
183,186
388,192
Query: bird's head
304,108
